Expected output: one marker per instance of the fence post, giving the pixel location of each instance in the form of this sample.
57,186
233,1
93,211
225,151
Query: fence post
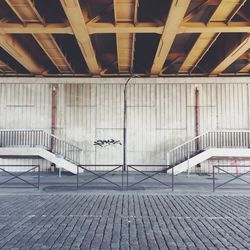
172,179
213,180
77,177
39,174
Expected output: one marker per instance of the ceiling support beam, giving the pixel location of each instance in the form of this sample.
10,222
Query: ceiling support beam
232,55
16,50
103,13
75,17
215,27
34,28
125,12
196,10
27,13
245,69
102,28
176,14
95,28
25,10
5,68
223,13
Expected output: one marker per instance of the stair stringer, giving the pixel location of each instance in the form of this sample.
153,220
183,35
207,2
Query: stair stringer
43,153
209,153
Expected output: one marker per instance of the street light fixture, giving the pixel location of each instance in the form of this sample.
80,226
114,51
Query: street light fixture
125,122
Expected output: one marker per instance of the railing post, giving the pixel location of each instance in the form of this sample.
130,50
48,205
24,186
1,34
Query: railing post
127,170
188,165
213,180
122,177
77,180
39,175
172,179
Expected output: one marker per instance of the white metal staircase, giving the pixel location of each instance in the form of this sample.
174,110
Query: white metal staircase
226,143
218,143
14,143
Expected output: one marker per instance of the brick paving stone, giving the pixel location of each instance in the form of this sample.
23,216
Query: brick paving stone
124,221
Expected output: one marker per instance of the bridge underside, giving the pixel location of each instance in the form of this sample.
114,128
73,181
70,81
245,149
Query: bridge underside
124,37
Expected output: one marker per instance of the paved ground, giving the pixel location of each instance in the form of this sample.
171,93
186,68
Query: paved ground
100,216
40,220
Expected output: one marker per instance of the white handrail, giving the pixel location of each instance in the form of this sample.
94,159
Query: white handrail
23,129
212,138
209,131
39,137
63,140
187,142
41,130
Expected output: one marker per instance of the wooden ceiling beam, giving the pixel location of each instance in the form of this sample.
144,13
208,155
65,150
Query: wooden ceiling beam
176,14
214,27
236,51
20,54
35,28
223,13
75,17
27,13
102,28
245,69
125,12
5,68
199,8
103,13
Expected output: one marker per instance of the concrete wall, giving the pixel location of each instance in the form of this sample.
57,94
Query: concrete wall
161,112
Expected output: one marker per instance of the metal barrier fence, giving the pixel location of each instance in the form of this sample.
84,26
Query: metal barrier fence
17,175
121,182
101,175
235,176
152,174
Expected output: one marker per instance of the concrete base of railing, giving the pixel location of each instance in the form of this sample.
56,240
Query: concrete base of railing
39,152
210,153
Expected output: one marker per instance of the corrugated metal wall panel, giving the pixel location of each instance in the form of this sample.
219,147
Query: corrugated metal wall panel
76,117
45,165
25,106
232,106
160,116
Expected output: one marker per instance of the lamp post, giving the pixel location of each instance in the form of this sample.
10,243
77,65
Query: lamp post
125,122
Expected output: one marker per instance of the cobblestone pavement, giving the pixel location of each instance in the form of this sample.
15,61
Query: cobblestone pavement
124,221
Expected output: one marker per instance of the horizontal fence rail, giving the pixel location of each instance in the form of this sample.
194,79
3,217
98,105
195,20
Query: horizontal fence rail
150,174
210,139
237,176
101,175
21,174
40,138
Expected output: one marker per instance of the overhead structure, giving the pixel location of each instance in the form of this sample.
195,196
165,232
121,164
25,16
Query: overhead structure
124,37
176,14
5,68
232,55
224,13
20,54
75,17
125,12
245,69
27,13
